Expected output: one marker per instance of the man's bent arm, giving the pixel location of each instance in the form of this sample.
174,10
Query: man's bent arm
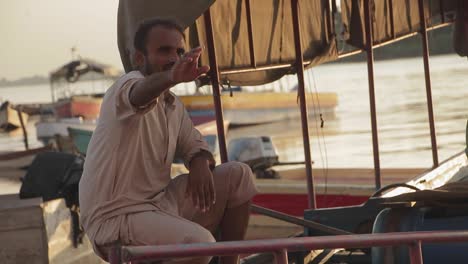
149,88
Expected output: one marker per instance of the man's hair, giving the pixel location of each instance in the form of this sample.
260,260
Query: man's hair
141,35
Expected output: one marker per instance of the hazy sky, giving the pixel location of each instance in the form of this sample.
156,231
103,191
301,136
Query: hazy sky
37,35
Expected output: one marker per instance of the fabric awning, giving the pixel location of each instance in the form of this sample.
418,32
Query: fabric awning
272,33
404,14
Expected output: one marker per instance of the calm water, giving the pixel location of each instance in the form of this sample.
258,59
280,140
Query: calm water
346,141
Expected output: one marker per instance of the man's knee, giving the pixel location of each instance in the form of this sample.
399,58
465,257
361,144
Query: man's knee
201,236
234,169
237,181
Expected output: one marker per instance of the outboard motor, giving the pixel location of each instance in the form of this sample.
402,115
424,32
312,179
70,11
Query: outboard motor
257,152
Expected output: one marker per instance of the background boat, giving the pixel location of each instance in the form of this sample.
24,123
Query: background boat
10,118
251,108
72,102
13,164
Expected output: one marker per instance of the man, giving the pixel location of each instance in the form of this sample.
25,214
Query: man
126,193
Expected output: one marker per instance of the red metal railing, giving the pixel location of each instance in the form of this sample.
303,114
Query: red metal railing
280,247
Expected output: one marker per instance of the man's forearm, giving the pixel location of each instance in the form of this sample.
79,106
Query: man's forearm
151,87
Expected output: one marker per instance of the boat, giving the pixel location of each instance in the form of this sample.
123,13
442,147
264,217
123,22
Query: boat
82,106
80,137
257,46
241,108
10,118
71,103
49,129
13,165
253,108
34,231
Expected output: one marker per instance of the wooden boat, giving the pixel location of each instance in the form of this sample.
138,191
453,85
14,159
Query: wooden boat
13,165
49,129
10,118
83,106
82,136
37,232
251,108
244,108
70,103
80,139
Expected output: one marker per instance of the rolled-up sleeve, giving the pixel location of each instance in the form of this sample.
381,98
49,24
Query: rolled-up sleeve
190,142
124,108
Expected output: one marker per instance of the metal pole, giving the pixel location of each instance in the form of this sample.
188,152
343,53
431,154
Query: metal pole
214,76
115,255
298,221
303,105
281,256
52,91
415,253
427,74
370,73
19,111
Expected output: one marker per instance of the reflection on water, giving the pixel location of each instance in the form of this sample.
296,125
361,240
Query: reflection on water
404,139
346,140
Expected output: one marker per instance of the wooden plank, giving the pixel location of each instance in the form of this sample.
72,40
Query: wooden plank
23,246
22,233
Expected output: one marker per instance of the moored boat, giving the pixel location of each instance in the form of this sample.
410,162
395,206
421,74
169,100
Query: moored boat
10,118
84,106
251,108
84,103
13,165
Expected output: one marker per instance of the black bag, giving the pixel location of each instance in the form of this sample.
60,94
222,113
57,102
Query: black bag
55,175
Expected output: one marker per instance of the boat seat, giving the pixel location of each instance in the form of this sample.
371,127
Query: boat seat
421,219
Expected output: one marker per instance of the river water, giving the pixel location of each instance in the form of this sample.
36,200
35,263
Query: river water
345,140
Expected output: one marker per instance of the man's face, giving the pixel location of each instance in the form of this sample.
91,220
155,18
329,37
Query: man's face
163,48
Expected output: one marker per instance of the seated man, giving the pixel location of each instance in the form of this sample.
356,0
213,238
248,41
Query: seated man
126,192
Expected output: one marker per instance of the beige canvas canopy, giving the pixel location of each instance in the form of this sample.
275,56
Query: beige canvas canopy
273,39
395,18
272,33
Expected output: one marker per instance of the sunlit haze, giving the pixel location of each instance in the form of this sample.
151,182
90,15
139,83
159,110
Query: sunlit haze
37,36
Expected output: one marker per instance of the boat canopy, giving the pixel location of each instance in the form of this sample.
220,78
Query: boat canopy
271,22
256,35
73,70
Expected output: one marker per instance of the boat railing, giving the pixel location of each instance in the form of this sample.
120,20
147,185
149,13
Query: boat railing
281,247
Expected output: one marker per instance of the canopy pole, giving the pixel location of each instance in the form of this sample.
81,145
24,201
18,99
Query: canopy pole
253,62
214,76
303,104
427,74
52,91
370,73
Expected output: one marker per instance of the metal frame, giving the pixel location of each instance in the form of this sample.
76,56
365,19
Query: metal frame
299,64
370,75
214,76
303,103
280,247
427,75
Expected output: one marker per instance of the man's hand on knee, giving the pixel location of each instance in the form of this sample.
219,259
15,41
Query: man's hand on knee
200,186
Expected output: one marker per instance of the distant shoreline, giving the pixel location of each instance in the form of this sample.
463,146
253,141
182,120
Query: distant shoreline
38,80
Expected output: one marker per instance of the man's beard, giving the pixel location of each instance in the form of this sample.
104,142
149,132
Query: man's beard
149,69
